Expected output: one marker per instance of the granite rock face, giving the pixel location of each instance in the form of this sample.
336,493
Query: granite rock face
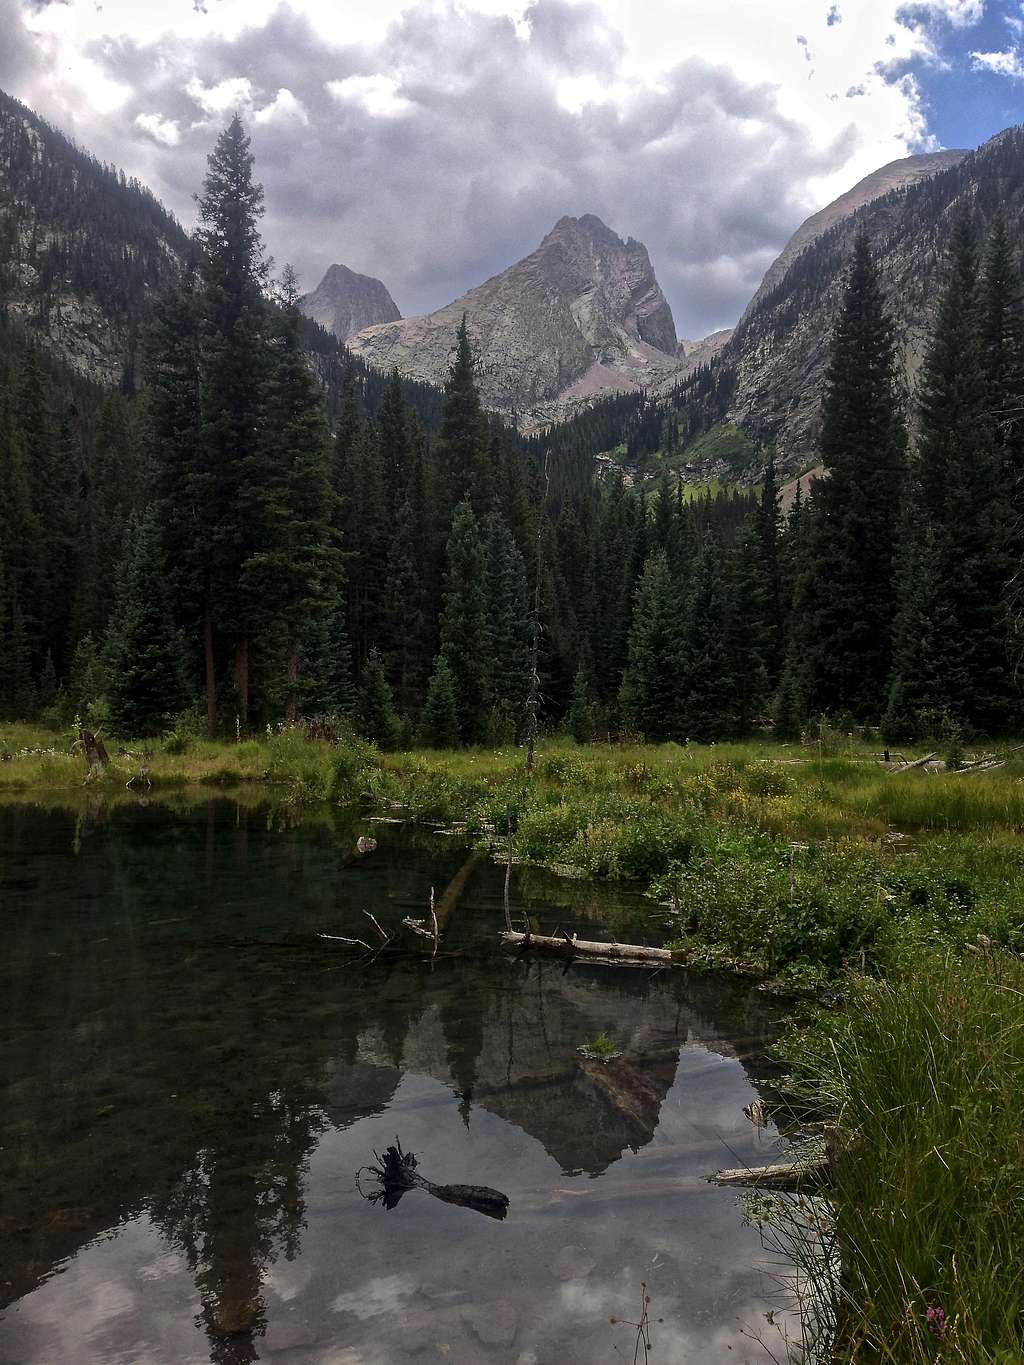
581,315
345,302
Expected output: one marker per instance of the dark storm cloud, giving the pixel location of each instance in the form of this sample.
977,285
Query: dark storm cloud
439,156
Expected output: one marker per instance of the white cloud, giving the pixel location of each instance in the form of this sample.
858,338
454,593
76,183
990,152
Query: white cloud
224,97
283,108
163,130
377,94
1009,63
960,13
470,126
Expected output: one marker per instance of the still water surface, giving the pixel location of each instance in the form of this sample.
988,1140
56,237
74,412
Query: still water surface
189,1081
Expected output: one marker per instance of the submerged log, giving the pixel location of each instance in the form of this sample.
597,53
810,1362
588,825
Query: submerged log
783,1175
570,945
397,1174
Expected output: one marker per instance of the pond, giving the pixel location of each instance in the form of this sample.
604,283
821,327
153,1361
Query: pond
190,1080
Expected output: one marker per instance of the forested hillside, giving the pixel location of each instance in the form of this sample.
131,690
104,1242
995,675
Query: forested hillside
769,376
267,530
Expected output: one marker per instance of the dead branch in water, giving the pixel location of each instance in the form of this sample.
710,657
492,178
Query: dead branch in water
578,947
396,1174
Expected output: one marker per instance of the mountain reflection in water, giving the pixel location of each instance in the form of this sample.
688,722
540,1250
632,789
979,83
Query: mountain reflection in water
190,1080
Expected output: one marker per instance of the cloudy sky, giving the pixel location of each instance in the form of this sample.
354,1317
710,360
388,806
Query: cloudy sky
433,143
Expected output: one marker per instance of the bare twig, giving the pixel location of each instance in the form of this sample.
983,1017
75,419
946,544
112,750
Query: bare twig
386,937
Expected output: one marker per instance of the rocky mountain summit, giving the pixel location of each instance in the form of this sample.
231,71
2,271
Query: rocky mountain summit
580,315
345,302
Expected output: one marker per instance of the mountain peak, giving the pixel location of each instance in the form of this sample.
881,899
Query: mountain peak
345,302
581,315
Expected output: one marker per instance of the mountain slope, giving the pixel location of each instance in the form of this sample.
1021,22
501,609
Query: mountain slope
81,247
897,175
768,377
345,302
580,315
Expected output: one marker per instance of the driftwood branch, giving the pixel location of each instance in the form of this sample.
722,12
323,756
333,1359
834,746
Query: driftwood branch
783,1175
578,947
917,763
396,1174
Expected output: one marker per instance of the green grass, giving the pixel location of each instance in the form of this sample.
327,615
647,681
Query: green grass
924,1076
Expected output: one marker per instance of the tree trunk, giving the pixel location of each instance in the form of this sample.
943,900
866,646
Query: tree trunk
242,680
292,705
578,947
211,675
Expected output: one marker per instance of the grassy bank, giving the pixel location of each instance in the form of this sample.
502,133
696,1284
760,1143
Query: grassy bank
923,1073
795,862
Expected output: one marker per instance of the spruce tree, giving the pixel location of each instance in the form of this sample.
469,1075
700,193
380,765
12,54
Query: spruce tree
463,445
707,705
581,711
376,709
650,693
294,569
508,624
329,689
863,450
233,276
962,492
144,653
464,623
440,722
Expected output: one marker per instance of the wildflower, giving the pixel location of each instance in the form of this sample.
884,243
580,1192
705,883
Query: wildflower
936,1319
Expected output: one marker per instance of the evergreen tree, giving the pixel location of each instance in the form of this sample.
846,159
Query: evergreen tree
294,570
650,694
962,493
233,276
462,445
464,623
144,652
508,622
377,718
707,693
440,727
863,449
581,712
329,688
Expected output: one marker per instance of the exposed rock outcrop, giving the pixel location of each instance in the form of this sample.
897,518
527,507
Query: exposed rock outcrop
345,302
581,315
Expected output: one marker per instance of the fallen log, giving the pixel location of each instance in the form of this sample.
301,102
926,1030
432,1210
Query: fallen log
397,1174
783,1175
917,763
572,946
985,767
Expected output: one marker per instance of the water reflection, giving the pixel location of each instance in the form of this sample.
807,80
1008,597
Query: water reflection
183,1062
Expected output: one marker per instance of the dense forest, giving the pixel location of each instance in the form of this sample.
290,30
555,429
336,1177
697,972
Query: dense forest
253,527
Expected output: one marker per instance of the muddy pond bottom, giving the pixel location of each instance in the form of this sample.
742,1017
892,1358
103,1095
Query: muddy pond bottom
190,1080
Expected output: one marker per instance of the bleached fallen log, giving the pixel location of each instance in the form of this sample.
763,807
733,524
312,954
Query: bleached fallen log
569,944
783,1175
917,763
